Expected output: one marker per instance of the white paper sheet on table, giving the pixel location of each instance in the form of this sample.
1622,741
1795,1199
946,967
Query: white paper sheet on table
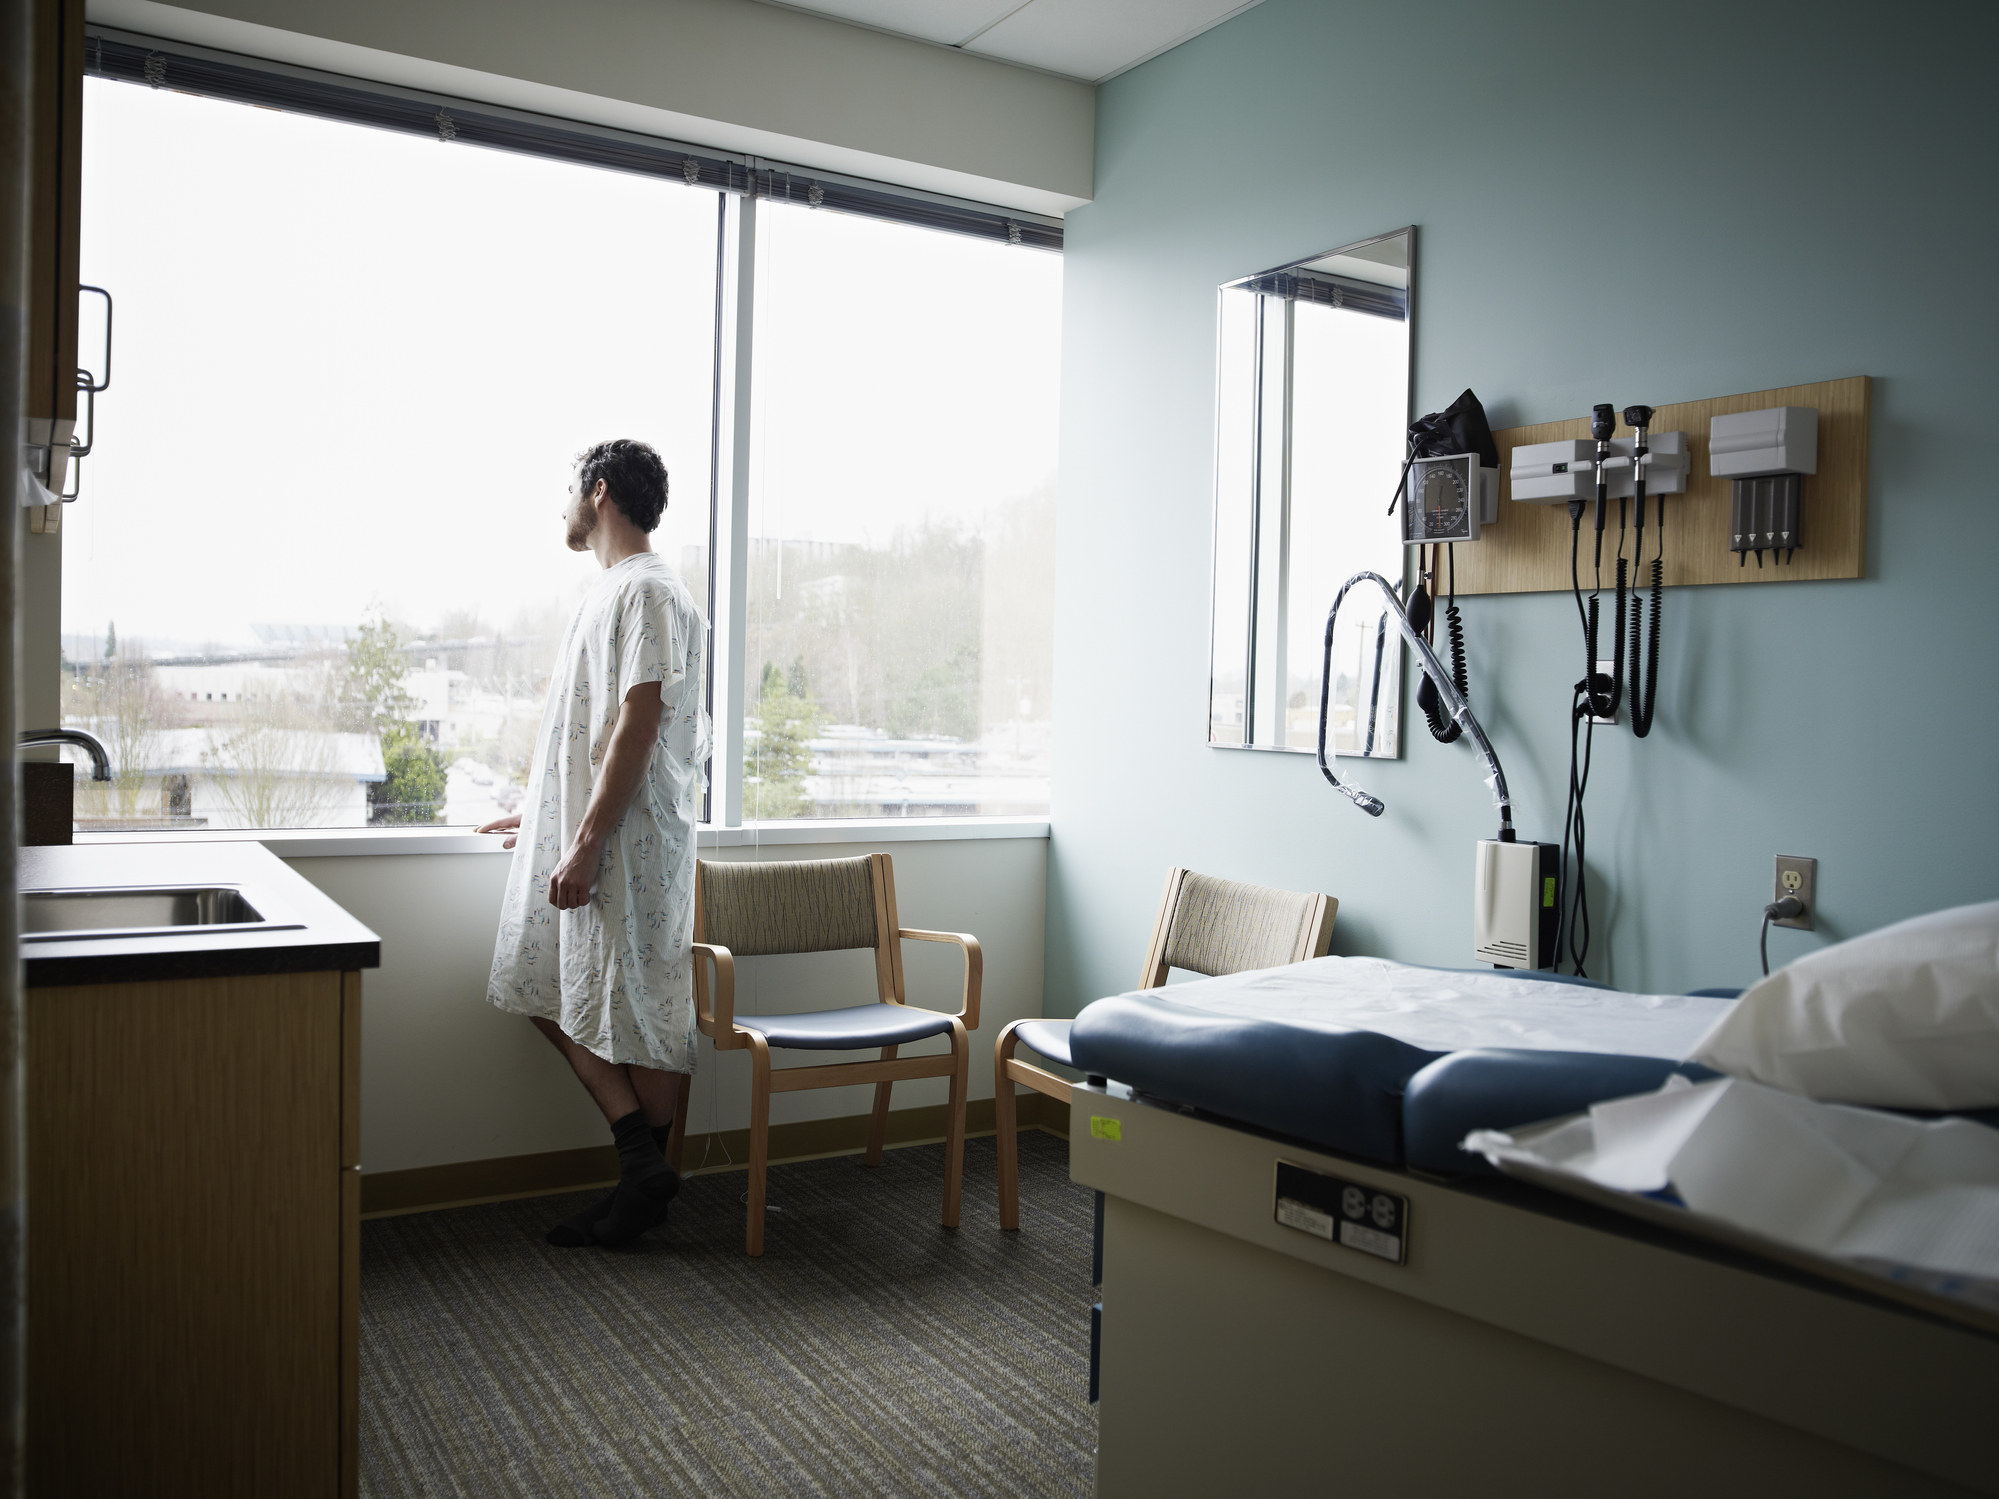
1444,1011
1849,1183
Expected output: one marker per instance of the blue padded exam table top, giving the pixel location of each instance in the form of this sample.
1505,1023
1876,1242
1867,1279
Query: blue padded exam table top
1388,1062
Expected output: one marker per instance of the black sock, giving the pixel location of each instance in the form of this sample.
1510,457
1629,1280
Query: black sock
578,1229
646,1184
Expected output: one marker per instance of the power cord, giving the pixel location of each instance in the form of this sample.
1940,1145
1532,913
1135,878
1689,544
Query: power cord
1573,905
1573,928
1777,910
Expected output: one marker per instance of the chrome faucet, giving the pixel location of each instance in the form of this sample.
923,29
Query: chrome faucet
100,763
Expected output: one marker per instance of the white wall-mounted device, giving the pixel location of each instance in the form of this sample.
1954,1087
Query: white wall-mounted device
1754,444
1554,473
1448,499
1764,454
1514,909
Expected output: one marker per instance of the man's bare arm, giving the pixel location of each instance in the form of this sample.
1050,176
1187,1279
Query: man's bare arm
618,781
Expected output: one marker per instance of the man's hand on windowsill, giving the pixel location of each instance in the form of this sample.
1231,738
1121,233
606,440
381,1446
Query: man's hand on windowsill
507,825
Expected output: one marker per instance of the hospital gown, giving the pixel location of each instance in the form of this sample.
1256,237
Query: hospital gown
615,973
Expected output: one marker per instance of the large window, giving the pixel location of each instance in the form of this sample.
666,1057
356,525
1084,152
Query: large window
316,577
903,516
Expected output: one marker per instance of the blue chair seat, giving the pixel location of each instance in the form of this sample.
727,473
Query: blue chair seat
852,1029
1048,1038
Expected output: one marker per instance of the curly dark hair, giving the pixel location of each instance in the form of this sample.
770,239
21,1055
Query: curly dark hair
633,476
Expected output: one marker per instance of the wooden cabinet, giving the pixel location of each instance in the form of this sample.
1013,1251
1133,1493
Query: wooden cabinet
194,1236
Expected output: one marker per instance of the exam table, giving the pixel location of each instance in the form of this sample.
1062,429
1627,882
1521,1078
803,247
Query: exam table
1470,1334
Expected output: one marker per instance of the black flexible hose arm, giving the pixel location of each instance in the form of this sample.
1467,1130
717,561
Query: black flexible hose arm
1453,700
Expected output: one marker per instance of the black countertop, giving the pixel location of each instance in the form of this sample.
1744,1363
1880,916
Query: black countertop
315,933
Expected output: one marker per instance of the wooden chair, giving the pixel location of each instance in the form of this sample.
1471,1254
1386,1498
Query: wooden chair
825,905
1205,925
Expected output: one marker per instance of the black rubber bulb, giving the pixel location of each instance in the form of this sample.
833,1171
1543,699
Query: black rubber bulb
1420,608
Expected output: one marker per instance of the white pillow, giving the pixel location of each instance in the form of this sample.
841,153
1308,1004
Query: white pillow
1906,1017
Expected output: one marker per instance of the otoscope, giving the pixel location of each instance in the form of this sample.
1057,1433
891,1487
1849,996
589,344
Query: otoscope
1639,419
1603,697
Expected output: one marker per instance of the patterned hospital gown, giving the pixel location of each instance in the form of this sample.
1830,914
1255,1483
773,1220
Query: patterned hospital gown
616,973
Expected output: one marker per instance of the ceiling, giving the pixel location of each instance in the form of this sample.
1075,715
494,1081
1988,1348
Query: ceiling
1087,39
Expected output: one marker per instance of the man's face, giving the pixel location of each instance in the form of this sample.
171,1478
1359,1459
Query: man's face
579,519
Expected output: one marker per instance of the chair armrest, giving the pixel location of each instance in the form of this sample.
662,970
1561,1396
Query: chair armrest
1004,1044
975,967
715,1013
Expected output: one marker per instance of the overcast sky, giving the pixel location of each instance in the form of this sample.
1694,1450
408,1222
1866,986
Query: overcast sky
353,367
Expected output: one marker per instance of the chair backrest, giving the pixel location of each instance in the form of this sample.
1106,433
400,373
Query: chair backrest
1216,926
802,906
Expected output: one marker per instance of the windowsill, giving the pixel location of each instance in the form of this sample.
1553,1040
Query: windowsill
334,843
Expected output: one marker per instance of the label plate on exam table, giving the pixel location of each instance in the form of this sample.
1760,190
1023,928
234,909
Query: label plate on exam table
1345,1212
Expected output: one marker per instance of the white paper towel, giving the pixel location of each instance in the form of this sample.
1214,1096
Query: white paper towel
1849,1183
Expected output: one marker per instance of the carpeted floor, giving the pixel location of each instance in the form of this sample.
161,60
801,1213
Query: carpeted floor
869,1352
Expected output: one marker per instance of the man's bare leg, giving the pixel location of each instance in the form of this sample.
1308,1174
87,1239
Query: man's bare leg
658,1092
608,1082
637,1102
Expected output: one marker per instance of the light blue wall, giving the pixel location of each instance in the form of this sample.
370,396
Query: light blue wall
1816,200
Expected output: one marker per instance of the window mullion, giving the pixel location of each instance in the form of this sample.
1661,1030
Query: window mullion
732,571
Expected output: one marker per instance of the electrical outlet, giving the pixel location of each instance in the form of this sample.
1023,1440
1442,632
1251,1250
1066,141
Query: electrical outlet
1799,876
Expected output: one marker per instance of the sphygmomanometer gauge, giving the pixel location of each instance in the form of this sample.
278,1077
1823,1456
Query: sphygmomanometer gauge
1442,500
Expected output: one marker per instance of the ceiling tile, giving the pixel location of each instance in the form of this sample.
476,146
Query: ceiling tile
946,21
1093,39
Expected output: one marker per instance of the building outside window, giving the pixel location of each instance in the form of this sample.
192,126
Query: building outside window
316,577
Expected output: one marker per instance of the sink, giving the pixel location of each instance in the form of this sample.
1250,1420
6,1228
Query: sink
158,910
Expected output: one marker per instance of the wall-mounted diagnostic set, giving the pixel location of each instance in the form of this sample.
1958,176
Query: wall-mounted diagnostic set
1530,900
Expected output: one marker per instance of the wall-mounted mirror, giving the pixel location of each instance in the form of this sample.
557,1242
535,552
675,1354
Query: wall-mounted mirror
1312,407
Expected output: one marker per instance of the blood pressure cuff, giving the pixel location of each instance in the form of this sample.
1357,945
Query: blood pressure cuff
1460,427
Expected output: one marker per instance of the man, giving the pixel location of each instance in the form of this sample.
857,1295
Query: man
596,927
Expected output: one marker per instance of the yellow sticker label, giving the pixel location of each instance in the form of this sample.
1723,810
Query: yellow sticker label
1106,1129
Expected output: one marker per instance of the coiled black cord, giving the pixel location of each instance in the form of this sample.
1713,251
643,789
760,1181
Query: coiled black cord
1641,710
1642,702
1454,625
1443,728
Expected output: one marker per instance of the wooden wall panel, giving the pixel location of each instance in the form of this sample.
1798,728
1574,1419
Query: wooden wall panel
185,1237
1528,550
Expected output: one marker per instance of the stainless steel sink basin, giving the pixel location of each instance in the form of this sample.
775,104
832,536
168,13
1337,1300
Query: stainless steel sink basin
50,915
